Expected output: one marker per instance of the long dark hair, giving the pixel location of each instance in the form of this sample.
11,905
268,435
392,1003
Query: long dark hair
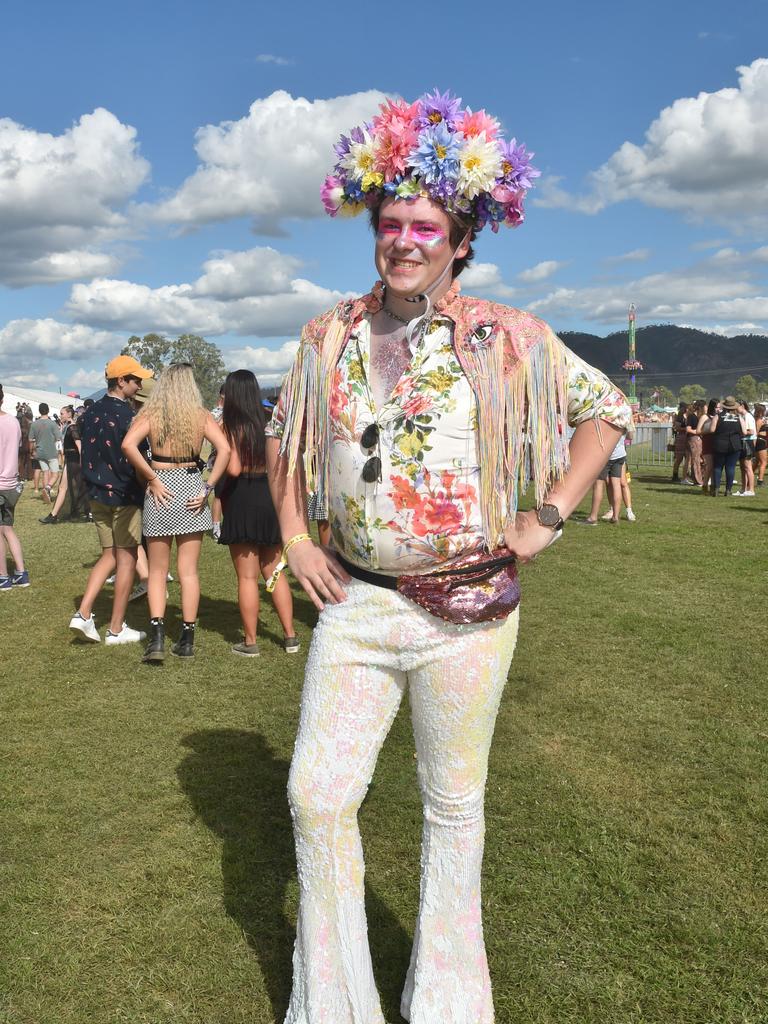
243,418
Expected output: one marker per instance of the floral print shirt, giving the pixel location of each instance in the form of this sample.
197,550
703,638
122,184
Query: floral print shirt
425,510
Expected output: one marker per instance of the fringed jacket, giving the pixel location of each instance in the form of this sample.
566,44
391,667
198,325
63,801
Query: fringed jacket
527,387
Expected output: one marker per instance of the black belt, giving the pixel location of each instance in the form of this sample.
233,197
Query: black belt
378,579
485,571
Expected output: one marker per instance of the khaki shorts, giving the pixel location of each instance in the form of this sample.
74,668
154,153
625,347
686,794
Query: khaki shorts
118,526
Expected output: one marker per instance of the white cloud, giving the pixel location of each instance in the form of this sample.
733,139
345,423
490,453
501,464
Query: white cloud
62,198
705,155
633,256
245,293
26,339
480,275
729,331
88,380
268,165
40,381
269,365
703,294
541,271
235,275
270,58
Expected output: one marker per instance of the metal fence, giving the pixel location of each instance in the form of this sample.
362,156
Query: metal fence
649,445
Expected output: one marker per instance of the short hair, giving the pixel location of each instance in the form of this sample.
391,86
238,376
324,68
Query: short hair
70,409
460,225
112,383
43,408
87,403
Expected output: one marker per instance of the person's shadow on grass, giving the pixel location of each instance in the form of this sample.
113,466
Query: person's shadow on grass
237,786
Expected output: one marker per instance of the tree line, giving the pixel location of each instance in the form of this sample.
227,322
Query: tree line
155,351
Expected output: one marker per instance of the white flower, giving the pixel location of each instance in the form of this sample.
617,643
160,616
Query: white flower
479,166
360,159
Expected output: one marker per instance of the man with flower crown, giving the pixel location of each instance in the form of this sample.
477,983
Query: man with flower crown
412,418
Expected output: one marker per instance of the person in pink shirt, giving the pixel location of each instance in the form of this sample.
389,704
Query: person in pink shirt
10,438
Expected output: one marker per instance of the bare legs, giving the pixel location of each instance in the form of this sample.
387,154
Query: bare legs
159,560
187,556
121,561
250,562
9,538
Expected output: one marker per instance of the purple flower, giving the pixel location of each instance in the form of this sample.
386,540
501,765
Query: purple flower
436,157
438,108
516,166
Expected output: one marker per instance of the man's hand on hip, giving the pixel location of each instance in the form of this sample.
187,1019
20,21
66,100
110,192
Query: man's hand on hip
526,537
318,572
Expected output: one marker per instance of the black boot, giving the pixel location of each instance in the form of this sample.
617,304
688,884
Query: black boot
185,645
155,652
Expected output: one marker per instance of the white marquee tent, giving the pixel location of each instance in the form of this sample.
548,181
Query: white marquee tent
33,397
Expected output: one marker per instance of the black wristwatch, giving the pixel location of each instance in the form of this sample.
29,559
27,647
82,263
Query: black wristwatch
549,515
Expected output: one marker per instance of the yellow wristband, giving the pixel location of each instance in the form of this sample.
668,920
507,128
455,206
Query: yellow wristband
282,564
295,540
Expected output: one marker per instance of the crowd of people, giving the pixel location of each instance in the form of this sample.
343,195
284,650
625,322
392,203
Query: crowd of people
712,439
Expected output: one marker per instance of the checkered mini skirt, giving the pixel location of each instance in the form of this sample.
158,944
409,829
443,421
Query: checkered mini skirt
175,518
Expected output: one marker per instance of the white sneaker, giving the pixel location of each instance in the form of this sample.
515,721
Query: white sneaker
743,494
86,628
608,514
110,579
216,531
138,591
631,515
170,580
125,636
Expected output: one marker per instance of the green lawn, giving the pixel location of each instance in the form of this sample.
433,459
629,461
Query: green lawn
146,851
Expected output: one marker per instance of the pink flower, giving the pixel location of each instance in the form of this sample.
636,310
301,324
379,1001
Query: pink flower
396,136
473,124
417,405
332,195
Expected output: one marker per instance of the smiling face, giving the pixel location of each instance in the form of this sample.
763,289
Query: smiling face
413,246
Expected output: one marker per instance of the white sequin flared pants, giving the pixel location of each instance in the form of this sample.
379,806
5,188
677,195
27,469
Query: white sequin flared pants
365,653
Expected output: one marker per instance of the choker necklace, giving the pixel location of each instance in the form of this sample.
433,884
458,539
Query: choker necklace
394,316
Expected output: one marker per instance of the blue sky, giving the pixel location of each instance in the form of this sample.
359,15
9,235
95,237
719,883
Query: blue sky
159,166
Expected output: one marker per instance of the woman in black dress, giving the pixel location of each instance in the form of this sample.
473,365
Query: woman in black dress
250,528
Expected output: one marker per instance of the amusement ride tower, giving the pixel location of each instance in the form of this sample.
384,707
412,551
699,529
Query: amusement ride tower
632,364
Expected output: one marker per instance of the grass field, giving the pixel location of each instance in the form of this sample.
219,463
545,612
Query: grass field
147,858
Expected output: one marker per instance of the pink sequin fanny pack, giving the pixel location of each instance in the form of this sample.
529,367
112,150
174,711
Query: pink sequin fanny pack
479,588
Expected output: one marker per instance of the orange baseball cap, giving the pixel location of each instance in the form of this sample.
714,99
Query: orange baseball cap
126,366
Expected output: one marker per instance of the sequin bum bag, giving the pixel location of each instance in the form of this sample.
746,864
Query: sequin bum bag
479,588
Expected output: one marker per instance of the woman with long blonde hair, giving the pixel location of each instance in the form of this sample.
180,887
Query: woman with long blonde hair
174,422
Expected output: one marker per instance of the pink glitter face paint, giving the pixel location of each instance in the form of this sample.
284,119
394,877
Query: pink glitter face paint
424,235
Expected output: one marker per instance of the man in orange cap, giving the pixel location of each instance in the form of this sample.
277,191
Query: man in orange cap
116,498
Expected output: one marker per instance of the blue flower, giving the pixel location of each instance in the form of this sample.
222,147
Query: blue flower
436,157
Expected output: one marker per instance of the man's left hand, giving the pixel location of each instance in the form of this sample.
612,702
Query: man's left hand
526,537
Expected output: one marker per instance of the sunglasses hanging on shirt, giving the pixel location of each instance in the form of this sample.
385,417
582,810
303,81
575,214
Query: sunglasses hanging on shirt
372,467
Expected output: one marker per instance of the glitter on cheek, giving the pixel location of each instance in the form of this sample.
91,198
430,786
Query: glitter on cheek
430,241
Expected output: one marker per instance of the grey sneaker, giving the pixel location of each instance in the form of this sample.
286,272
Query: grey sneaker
291,645
246,650
138,591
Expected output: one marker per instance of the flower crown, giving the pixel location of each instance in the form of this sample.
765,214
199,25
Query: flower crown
433,148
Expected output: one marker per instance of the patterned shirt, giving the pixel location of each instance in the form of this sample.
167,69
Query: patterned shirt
108,475
425,510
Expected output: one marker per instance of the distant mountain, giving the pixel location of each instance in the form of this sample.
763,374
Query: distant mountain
675,356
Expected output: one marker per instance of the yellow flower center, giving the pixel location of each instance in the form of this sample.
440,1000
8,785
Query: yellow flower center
435,117
471,163
440,151
506,167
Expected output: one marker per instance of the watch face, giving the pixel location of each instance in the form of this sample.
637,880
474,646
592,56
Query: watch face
549,515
